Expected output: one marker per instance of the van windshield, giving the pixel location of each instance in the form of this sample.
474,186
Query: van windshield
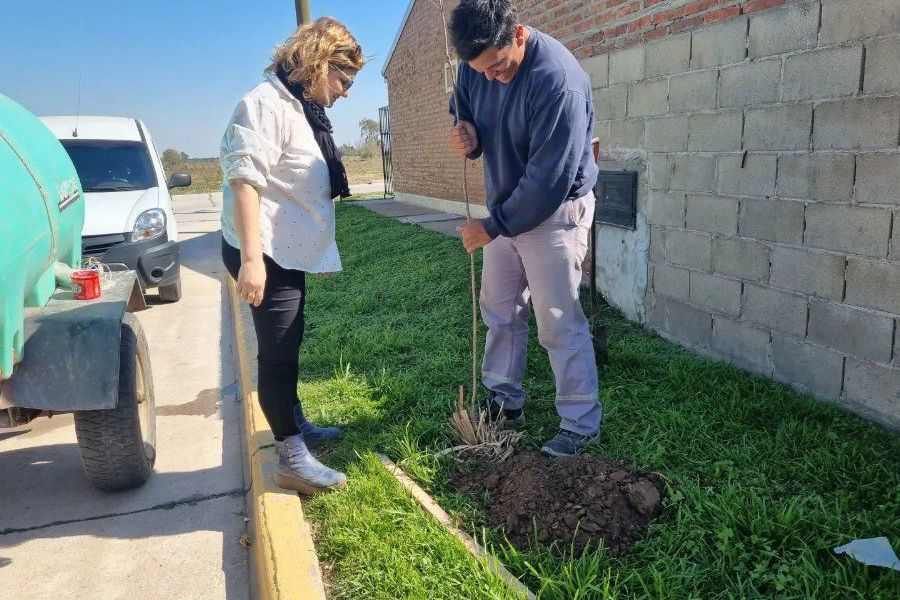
111,165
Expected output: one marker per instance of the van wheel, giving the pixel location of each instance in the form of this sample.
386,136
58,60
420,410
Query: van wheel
171,292
118,445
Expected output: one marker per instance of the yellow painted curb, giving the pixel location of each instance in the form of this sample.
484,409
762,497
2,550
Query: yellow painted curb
283,558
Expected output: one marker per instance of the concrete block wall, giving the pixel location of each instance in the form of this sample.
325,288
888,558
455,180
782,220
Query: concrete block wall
767,144
765,134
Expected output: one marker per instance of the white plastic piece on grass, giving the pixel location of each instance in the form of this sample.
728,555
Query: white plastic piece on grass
874,552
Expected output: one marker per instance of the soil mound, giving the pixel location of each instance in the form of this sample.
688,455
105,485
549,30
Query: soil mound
580,500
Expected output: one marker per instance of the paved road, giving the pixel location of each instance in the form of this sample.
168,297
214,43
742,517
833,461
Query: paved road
178,536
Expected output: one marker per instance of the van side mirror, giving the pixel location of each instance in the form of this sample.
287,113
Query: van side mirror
179,180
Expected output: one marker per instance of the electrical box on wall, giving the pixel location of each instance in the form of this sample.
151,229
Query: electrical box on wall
616,193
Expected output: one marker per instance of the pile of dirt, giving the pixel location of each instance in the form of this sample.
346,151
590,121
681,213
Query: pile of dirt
580,500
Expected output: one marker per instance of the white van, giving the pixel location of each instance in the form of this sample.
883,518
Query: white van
128,210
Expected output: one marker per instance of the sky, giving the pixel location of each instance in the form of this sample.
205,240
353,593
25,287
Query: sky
180,66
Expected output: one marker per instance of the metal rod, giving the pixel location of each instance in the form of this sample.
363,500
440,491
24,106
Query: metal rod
303,14
593,268
439,4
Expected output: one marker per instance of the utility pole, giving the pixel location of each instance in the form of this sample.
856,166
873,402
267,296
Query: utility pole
303,14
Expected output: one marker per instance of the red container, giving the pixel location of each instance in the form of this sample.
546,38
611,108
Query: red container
86,285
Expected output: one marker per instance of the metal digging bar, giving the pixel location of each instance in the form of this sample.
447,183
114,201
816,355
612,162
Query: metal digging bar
598,329
439,4
479,436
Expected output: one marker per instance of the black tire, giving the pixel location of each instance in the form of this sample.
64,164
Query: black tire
171,292
114,452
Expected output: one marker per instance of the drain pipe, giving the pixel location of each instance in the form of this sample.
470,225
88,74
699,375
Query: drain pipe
303,14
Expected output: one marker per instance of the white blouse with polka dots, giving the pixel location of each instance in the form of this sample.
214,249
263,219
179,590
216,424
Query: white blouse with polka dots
269,144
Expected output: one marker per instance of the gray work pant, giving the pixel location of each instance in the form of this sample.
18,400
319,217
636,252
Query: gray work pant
542,266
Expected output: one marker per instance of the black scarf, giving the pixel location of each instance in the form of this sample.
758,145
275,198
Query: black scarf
322,131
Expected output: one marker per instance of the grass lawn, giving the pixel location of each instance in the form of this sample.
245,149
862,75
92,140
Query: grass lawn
762,481
207,176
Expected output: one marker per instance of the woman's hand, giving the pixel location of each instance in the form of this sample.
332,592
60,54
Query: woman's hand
252,281
252,277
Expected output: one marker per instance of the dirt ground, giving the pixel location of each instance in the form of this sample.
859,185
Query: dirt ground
207,176
364,170
580,501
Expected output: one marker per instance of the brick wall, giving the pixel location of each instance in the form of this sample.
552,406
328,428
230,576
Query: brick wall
424,163
591,27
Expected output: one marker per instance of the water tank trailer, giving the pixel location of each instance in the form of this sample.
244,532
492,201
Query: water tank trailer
58,354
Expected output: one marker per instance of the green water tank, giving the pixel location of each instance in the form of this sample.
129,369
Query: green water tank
41,216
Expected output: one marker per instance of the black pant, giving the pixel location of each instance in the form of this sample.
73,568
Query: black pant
279,331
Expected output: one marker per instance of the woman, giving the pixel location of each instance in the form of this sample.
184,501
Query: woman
282,170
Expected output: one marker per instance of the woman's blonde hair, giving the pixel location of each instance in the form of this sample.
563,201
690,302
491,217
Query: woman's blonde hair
307,54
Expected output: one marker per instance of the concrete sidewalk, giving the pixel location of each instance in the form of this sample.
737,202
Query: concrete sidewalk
283,560
434,220
179,535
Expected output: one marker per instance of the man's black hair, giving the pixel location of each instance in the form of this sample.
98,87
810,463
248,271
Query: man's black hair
476,25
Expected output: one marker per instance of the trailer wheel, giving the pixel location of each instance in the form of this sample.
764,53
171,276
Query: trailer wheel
171,292
118,445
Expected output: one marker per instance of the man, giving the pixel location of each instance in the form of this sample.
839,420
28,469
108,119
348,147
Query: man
525,106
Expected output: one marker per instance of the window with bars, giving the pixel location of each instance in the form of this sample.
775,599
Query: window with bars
616,193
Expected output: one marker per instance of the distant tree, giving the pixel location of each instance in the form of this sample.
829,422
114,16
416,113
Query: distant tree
172,157
368,150
369,131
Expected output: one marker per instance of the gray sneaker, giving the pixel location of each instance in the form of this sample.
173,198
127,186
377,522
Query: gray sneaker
299,470
568,443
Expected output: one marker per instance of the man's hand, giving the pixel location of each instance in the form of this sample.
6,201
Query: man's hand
464,139
474,235
252,281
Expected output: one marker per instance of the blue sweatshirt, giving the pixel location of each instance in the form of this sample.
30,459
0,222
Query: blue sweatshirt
534,133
